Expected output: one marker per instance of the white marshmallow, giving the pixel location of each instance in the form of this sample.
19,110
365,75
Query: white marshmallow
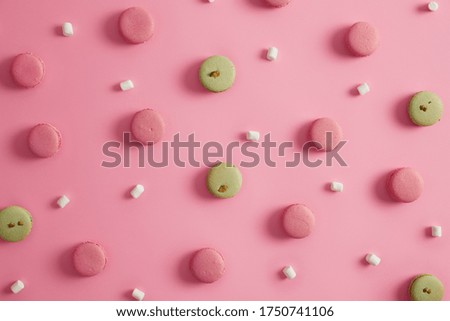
17,287
289,272
67,29
137,191
138,294
272,53
253,135
372,259
336,186
436,231
211,1
363,89
433,6
63,201
126,85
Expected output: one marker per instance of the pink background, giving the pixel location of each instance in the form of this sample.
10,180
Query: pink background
149,240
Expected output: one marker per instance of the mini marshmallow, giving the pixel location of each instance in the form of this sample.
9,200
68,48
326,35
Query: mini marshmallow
17,287
67,29
126,85
363,89
436,231
336,186
372,259
137,191
138,294
433,6
272,53
253,135
211,1
289,272
63,201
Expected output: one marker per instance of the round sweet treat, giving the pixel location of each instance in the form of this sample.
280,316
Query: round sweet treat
89,259
27,70
404,185
207,265
224,181
325,133
278,3
217,73
426,287
136,25
425,108
15,224
363,39
298,221
44,140
148,126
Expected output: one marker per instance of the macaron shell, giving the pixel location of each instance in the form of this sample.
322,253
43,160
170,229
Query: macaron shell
89,259
405,185
425,108
20,218
363,39
318,133
207,265
136,25
217,73
278,3
426,287
298,221
148,126
224,180
27,70
44,140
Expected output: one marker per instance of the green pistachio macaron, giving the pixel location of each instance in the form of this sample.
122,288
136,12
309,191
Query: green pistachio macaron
426,287
217,73
224,180
425,108
15,224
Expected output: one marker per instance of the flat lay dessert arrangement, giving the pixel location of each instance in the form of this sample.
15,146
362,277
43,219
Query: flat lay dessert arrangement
224,150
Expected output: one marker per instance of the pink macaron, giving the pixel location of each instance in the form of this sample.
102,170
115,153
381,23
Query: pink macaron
207,265
278,3
44,140
298,221
404,185
136,25
148,126
89,259
27,70
325,133
363,39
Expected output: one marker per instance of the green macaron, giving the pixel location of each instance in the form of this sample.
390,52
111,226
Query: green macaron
426,287
15,224
224,180
425,108
217,73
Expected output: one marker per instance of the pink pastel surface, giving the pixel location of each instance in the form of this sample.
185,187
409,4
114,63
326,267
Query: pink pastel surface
150,240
